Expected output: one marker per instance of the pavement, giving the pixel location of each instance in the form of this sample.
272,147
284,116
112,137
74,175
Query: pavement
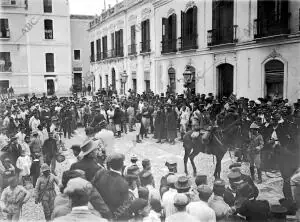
270,189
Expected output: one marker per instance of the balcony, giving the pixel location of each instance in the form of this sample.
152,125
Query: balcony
271,26
48,34
13,3
169,46
111,53
119,52
145,46
104,55
98,56
189,42
92,58
223,35
132,49
5,66
5,34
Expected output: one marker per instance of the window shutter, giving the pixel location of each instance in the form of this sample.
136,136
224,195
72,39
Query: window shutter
164,37
195,18
284,12
112,40
182,28
148,29
143,31
132,34
174,31
121,42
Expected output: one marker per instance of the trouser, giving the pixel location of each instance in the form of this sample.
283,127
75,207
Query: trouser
48,206
183,127
138,128
130,122
67,129
124,127
254,159
85,120
14,216
146,124
51,161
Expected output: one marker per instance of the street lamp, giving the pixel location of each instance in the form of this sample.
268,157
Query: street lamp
124,78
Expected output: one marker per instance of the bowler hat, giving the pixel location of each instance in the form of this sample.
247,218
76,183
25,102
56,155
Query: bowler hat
204,189
201,179
183,184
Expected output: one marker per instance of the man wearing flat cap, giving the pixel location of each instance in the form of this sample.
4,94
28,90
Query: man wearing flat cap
180,202
88,163
79,191
116,195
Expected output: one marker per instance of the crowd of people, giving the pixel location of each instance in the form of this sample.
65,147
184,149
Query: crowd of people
99,187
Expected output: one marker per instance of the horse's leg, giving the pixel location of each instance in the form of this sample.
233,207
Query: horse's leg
187,152
217,173
192,156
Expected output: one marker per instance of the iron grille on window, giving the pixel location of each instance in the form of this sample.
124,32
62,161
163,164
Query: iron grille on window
4,29
5,63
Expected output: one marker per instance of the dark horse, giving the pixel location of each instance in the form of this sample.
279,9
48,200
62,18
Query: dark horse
217,145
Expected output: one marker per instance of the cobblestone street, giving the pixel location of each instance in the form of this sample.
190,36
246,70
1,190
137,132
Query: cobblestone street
158,154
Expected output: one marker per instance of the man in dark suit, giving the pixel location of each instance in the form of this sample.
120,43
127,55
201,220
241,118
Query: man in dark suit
113,187
97,118
88,162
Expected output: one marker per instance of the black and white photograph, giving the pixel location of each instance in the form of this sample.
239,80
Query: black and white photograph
150,110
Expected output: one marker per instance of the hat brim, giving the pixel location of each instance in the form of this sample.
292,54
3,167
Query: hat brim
82,154
178,187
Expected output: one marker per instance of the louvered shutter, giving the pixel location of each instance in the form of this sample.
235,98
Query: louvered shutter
164,35
182,28
195,19
121,42
174,31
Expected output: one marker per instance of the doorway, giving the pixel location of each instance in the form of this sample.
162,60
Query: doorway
225,80
50,87
78,81
274,79
113,79
172,80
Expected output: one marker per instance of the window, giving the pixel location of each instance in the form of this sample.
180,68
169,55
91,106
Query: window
47,5
4,30
92,52
223,29
147,84
5,63
169,36
132,46
119,43
76,54
189,31
48,25
49,62
98,48
145,44
104,47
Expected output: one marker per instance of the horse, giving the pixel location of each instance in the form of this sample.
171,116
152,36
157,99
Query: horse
216,145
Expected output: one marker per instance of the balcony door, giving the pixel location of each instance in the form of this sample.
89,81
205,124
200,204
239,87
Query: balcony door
169,35
113,79
274,79
189,31
222,21
225,80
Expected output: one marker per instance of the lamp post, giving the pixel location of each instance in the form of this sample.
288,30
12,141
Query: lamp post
124,78
187,75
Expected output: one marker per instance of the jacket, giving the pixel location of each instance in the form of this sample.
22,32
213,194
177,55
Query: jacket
89,166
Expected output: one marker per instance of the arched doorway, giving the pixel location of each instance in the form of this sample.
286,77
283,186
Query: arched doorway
274,79
172,80
225,80
113,79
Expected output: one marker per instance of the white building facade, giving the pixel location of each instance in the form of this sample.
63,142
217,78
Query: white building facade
122,42
35,52
250,48
80,50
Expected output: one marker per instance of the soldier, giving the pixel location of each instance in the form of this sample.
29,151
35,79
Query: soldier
45,191
255,146
172,167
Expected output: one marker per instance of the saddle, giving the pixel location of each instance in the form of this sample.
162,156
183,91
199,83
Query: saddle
204,134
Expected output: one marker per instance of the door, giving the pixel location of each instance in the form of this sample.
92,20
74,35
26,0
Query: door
78,81
225,80
113,79
147,84
134,85
50,87
172,80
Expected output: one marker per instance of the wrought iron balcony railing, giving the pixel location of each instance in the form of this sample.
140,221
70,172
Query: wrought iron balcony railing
273,25
188,42
119,52
132,49
169,46
222,35
145,46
